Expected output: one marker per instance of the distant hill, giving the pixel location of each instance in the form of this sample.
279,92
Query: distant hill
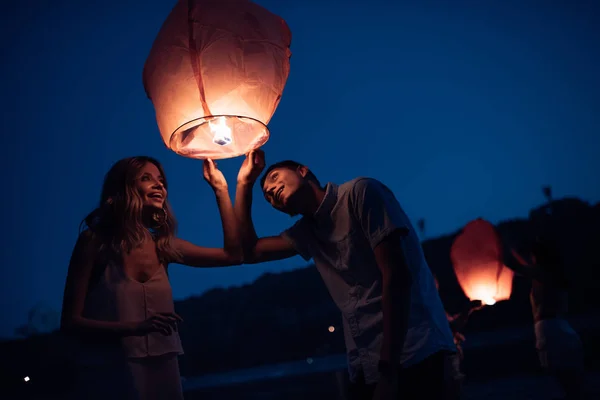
286,316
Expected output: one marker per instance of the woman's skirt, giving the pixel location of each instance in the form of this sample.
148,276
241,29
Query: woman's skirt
558,345
147,378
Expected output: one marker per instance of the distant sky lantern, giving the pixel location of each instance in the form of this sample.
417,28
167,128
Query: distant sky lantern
215,75
477,259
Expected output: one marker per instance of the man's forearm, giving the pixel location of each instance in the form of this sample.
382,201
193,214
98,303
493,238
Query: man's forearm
396,308
527,271
243,207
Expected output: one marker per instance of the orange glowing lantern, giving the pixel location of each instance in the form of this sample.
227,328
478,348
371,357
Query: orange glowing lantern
215,75
477,259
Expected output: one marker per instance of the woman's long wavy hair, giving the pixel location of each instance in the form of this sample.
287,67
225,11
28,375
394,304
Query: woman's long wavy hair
121,222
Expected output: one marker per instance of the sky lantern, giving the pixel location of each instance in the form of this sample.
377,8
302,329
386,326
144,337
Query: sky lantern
215,75
477,259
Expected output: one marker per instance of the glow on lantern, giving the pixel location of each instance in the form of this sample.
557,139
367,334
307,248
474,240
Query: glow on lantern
331,329
482,282
215,76
476,258
26,379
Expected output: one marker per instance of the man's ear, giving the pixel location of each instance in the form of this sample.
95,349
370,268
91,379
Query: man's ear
302,170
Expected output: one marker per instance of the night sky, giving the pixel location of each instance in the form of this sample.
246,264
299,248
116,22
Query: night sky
464,108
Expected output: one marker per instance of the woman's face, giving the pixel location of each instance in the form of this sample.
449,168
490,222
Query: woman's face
151,186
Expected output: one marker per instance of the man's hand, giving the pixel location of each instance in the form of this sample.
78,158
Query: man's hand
523,260
459,339
251,167
386,388
214,176
475,305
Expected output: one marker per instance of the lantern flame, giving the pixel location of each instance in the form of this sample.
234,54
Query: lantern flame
221,132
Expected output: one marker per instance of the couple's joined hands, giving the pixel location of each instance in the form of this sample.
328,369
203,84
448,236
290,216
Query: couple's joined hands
249,171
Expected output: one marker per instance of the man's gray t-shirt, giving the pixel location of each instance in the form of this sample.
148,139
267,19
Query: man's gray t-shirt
352,220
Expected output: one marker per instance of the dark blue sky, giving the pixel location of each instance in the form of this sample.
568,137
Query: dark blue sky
464,108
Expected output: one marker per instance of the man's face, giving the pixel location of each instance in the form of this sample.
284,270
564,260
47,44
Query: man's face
282,189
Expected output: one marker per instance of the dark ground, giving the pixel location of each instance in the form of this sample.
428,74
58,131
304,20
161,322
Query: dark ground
324,387
498,365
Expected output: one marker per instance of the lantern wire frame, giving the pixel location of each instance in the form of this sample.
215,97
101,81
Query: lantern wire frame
197,139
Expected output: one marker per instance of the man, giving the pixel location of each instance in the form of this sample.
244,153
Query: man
397,337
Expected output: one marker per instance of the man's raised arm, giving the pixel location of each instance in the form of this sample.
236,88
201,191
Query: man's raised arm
256,250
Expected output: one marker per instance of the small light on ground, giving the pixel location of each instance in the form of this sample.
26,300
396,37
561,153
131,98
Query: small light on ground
26,379
331,328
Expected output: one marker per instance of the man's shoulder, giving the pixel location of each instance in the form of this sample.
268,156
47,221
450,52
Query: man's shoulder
359,184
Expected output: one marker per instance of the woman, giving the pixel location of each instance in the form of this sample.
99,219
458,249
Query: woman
118,306
558,345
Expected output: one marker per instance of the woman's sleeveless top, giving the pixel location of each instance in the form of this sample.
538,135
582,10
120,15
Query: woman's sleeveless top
117,297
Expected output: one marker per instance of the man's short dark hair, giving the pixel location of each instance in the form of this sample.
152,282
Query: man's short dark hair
287,164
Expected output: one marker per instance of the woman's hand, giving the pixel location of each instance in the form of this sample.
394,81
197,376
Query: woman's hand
214,176
165,323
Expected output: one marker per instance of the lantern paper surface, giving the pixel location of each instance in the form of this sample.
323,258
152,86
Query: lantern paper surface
477,259
215,75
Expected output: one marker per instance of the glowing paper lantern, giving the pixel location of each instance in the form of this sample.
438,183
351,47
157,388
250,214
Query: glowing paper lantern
215,75
477,259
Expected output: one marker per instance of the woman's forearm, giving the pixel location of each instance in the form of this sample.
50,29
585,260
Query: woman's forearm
231,233
96,327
